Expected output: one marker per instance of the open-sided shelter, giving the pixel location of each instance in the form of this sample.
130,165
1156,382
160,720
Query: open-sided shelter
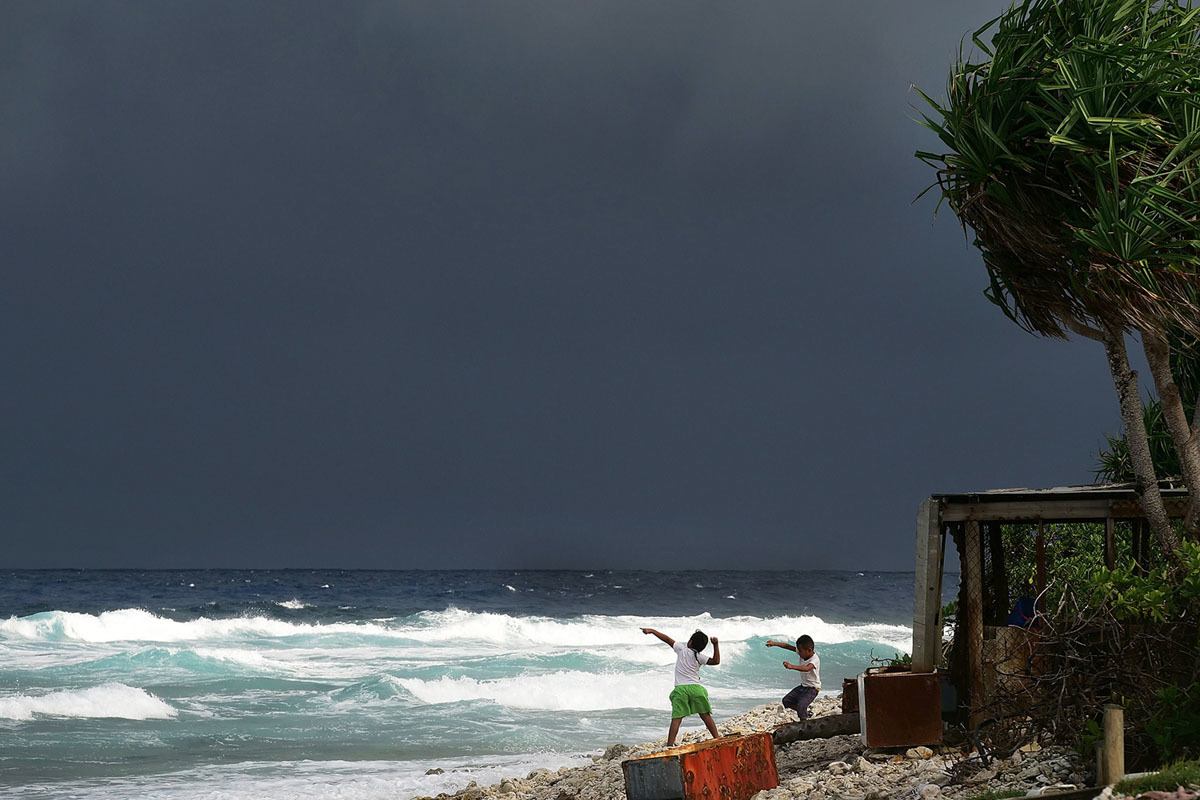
996,570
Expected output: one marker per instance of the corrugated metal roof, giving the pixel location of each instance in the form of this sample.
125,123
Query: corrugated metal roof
1113,491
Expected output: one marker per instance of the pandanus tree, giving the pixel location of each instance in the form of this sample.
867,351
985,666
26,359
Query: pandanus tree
1074,157
1113,462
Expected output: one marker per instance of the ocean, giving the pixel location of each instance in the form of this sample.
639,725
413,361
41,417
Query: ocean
358,685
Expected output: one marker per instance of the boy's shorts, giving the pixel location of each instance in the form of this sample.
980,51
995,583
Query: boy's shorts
688,699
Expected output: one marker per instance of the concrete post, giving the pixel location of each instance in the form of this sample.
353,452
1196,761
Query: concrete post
927,632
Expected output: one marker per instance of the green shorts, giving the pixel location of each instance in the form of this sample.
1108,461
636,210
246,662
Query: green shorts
688,699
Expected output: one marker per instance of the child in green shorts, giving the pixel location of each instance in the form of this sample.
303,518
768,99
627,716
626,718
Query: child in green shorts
689,697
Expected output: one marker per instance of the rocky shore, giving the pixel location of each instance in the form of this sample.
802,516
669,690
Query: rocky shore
819,769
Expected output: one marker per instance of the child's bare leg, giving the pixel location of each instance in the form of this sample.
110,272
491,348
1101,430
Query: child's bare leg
675,723
712,726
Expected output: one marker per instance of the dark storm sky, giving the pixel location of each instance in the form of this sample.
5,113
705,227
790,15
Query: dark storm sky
507,284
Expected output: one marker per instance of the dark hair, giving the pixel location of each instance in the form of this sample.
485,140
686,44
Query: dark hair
699,641
806,642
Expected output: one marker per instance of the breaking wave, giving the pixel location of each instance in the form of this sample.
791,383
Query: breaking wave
110,700
500,631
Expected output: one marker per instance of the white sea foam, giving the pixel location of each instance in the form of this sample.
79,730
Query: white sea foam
501,631
109,700
565,690
246,658
305,780
136,625
293,604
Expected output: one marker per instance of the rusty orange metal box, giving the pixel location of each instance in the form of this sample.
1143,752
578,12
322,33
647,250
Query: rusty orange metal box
729,768
900,709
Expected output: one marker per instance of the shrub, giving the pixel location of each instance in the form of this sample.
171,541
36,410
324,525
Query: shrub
1122,636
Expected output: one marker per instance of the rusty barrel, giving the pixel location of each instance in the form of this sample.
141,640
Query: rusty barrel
729,768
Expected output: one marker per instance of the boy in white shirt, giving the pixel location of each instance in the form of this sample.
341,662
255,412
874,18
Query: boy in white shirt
800,698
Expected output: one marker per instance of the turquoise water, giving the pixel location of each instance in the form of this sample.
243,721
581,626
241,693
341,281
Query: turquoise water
355,684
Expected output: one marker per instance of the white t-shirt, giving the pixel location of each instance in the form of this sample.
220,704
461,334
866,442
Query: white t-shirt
687,664
811,677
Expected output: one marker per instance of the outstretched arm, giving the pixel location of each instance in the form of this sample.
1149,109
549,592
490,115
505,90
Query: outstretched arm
784,645
716,656
667,640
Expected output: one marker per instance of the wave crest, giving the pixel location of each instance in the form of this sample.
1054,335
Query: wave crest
557,691
452,626
138,625
503,630
110,700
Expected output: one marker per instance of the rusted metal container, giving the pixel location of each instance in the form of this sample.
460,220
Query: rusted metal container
900,709
729,768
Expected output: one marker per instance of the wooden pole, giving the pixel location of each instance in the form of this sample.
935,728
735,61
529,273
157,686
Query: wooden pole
972,575
1110,543
1040,559
1112,765
998,602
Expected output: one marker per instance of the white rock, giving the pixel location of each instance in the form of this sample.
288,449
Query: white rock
983,776
941,779
1056,787
802,773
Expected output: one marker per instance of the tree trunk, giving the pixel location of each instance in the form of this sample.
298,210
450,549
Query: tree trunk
1187,443
1145,482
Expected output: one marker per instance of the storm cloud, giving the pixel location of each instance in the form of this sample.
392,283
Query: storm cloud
454,284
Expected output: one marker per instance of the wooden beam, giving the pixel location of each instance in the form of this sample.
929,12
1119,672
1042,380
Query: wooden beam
927,600
1061,510
1025,510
